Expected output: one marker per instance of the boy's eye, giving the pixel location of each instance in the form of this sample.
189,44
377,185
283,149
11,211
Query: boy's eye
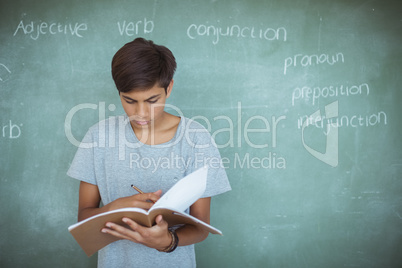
153,101
129,101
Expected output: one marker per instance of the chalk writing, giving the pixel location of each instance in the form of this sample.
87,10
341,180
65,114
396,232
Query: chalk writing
4,71
309,60
269,34
134,28
344,121
310,94
11,131
34,30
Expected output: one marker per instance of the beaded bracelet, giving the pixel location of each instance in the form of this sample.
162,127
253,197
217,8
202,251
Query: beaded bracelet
173,244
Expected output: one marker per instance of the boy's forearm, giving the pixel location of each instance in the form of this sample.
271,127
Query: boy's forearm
190,234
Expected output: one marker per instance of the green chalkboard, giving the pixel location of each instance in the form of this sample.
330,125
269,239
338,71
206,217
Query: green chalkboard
302,98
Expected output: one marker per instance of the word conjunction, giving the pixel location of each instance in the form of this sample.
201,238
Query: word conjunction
235,31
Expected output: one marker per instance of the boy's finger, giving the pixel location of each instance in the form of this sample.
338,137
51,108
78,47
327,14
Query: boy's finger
158,193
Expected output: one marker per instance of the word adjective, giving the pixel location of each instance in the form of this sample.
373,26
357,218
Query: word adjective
269,34
35,30
313,94
344,121
271,161
11,131
309,60
5,70
134,28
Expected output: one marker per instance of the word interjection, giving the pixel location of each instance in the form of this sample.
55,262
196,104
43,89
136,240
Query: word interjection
353,121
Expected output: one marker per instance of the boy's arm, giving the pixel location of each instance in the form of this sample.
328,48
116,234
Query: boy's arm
89,200
190,234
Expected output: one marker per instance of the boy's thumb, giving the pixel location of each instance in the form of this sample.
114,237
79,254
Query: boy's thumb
159,192
159,220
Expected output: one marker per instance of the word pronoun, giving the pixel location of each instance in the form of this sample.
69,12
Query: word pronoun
34,30
309,60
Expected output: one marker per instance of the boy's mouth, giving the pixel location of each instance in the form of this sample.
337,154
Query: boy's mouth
142,123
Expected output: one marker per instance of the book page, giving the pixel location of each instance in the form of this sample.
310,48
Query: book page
185,192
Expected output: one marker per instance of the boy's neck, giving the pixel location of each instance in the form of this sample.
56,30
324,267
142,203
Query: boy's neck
159,133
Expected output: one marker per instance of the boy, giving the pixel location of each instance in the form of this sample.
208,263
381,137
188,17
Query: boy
151,149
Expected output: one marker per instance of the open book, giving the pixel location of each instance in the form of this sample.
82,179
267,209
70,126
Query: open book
171,206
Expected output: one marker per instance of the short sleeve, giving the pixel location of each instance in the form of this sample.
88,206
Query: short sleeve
83,165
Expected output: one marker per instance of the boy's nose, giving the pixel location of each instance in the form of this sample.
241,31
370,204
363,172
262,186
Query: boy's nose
142,110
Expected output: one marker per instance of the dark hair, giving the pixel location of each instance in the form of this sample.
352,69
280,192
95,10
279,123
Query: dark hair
141,64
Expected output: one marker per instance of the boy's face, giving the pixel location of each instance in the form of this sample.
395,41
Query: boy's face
145,108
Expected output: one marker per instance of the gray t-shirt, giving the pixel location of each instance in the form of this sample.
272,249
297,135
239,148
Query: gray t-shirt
111,157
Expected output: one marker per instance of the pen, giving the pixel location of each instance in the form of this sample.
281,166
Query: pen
138,190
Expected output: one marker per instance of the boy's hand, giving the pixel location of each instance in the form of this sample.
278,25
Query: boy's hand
138,201
156,236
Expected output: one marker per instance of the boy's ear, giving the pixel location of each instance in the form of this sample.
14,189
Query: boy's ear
169,89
